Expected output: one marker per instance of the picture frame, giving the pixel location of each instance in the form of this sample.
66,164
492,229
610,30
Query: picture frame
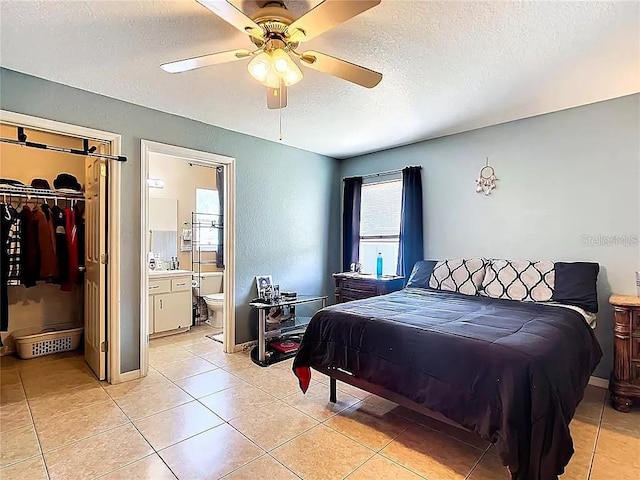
264,283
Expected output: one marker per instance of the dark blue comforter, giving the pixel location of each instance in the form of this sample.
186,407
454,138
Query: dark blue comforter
513,372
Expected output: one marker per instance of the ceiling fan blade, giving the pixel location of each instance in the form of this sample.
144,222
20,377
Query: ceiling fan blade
234,16
205,61
341,69
277,97
325,16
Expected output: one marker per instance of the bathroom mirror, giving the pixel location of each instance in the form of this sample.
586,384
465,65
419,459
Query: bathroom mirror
163,227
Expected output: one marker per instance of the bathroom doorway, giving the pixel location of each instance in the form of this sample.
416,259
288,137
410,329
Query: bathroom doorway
187,248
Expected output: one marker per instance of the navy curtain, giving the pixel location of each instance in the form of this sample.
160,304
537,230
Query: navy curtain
411,234
351,222
220,187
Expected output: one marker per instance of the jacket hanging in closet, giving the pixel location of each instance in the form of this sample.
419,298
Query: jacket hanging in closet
47,243
10,260
13,247
72,248
80,229
25,221
32,262
62,250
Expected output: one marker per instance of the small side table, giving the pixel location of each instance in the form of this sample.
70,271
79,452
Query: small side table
293,326
625,379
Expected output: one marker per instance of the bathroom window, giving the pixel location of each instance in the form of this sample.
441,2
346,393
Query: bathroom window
208,213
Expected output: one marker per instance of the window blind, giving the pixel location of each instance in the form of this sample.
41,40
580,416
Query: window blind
380,209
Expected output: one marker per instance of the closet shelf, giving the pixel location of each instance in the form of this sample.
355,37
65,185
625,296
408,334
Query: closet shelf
28,192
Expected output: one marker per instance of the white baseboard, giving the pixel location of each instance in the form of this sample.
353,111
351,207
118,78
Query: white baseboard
599,382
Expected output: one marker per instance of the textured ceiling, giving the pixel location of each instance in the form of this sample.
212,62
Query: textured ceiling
448,66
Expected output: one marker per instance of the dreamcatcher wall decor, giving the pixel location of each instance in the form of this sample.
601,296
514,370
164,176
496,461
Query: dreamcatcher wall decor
486,179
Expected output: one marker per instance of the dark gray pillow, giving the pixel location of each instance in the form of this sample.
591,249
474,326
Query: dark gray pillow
575,284
421,274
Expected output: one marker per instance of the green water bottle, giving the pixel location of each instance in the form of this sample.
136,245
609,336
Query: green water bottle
379,264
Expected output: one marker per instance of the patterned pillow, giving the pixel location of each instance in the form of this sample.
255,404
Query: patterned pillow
462,275
519,280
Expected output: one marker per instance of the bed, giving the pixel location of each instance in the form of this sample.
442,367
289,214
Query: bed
511,371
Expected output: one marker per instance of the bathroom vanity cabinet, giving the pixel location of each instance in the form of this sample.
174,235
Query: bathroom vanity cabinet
170,302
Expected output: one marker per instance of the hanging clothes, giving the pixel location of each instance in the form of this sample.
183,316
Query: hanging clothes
46,242
80,229
13,248
10,229
62,252
5,224
33,260
25,220
72,248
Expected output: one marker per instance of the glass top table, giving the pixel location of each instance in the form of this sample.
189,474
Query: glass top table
290,326
300,299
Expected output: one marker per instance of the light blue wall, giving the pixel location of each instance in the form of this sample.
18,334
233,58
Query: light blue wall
286,199
562,176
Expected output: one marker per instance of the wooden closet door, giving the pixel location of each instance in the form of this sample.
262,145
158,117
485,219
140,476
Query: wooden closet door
95,281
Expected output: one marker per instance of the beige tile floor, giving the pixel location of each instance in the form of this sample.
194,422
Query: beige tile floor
201,414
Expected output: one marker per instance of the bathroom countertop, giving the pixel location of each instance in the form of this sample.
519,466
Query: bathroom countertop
169,273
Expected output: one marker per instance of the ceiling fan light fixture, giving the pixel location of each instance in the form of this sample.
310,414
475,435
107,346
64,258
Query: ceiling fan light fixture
272,80
293,76
281,65
260,66
285,67
270,68
281,61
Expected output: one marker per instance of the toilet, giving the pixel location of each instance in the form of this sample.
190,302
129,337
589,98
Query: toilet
208,286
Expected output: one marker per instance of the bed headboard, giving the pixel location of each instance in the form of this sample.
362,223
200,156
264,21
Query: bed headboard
570,283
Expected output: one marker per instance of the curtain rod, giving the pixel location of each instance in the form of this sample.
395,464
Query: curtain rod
87,152
381,174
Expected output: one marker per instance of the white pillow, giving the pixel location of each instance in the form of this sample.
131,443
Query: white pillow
522,280
462,275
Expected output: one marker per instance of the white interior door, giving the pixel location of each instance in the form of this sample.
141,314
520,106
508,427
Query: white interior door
95,326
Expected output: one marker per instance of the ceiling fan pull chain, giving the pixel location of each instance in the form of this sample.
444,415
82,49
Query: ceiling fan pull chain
280,109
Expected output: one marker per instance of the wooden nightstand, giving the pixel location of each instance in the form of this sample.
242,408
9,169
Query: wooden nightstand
625,381
355,286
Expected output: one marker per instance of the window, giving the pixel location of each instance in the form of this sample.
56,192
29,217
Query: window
380,208
208,209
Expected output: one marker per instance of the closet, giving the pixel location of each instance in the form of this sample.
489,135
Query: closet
53,207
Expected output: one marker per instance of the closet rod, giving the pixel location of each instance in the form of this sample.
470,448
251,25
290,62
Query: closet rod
72,151
30,192
41,196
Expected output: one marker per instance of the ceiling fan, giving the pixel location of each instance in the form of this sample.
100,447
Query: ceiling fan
277,35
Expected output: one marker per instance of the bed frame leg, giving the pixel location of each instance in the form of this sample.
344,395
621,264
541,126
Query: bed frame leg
332,390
